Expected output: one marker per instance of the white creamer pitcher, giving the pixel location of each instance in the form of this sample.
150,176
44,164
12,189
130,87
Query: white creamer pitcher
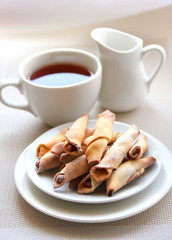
124,82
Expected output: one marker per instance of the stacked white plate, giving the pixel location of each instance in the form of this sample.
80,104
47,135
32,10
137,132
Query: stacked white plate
66,204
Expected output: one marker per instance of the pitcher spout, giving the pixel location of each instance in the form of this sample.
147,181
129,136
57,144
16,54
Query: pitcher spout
112,40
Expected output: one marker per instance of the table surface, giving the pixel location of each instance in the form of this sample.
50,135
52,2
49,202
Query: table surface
19,128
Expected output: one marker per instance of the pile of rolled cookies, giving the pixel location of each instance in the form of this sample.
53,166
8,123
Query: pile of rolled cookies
87,157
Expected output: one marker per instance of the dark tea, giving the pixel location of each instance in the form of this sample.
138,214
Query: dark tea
62,74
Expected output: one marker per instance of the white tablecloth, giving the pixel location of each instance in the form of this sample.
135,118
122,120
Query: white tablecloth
18,129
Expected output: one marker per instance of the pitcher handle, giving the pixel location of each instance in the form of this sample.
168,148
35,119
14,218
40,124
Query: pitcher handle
160,50
15,83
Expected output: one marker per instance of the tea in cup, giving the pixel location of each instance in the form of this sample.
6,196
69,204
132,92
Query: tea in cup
58,84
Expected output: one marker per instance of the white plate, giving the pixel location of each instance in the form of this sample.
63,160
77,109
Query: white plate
96,213
44,181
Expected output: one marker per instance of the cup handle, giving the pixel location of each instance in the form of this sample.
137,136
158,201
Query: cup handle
160,50
15,83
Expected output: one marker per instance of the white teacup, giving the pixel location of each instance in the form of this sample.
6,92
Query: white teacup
56,104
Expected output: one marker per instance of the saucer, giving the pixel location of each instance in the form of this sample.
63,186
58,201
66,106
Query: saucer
44,181
96,213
